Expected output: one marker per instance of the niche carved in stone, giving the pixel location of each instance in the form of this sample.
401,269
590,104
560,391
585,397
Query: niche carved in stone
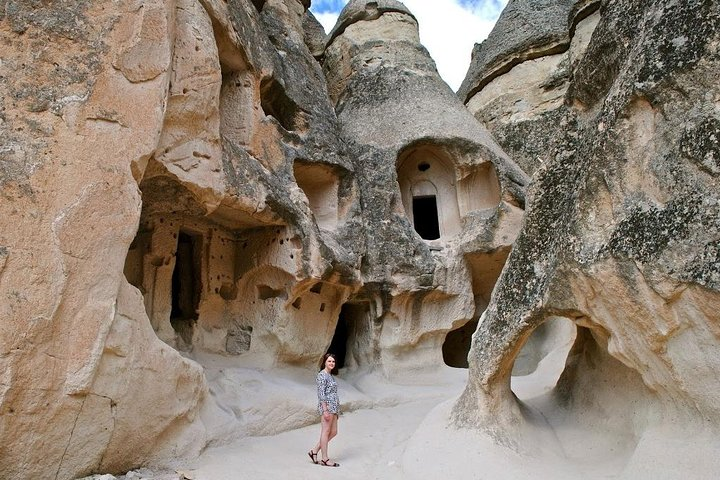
426,175
479,189
320,185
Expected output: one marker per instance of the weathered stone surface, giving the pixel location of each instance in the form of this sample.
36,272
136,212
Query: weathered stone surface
315,36
193,103
193,180
361,10
408,129
69,213
620,237
184,184
519,77
526,29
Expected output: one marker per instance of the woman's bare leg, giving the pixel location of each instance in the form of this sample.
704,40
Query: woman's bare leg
316,448
325,427
333,428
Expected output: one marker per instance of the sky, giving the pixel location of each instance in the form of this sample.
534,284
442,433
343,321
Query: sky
448,29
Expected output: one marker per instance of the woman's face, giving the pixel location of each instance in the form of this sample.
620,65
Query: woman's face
330,363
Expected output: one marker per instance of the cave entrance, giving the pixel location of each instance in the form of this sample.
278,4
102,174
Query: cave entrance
427,180
425,217
186,285
457,345
351,334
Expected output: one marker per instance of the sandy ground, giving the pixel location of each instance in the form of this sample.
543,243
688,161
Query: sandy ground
370,445
400,430
392,431
371,436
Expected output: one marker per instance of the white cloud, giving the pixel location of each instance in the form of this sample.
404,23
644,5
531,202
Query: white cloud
327,19
448,29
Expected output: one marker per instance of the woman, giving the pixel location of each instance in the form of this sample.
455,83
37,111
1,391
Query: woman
328,408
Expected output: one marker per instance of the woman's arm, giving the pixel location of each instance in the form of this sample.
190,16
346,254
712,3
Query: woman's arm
321,391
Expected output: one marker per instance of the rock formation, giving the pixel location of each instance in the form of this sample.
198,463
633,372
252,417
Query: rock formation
193,184
519,77
172,145
423,166
620,235
176,184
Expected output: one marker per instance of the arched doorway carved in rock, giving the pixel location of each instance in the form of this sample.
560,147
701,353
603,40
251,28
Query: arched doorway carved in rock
485,269
426,175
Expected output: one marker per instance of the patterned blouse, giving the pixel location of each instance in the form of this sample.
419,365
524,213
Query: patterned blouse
327,392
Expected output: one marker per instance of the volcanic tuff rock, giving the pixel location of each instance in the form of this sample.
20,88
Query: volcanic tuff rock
166,146
406,128
519,76
183,184
621,237
209,186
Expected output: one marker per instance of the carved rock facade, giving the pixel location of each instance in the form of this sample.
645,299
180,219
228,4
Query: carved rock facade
184,185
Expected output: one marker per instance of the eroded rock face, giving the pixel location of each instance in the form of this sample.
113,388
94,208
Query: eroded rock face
225,265
519,77
621,237
70,208
164,148
183,184
441,200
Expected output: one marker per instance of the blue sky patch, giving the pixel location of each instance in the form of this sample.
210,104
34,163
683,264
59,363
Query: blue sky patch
327,6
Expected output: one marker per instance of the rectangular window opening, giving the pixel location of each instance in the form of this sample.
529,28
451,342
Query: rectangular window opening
425,217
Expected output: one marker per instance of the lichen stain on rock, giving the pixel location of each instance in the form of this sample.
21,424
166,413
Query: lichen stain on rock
622,223
700,143
646,232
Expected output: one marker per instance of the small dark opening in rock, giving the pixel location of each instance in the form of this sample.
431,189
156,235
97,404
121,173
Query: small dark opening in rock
424,166
317,288
339,342
352,341
186,285
265,292
457,345
275,102
425,217
134,268
228,291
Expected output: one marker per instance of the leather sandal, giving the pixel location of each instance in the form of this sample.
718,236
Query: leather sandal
326,464
313,457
